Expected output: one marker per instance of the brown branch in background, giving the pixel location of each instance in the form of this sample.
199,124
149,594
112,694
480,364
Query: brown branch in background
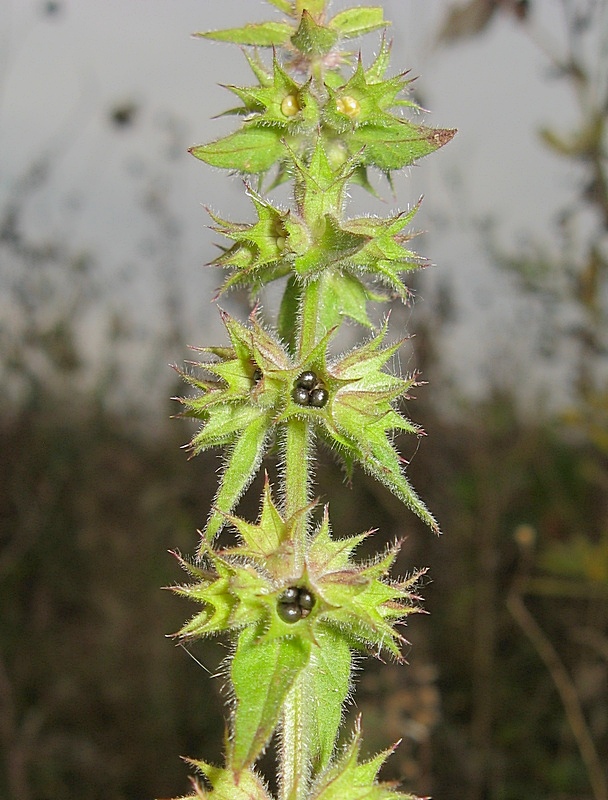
594,641
565,689
16,758
472,17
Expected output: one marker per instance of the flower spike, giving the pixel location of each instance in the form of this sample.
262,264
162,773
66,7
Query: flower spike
291,597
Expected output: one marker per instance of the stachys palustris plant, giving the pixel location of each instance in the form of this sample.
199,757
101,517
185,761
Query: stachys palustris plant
286,592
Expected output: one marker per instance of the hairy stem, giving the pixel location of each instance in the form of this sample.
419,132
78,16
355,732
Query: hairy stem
297,478
295,756
295,764
309,317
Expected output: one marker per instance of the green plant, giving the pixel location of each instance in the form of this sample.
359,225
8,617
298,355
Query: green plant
289,595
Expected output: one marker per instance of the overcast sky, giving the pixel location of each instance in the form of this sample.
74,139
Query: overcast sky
63,73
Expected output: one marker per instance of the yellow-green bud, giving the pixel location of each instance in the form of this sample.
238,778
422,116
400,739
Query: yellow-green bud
290,105
348,105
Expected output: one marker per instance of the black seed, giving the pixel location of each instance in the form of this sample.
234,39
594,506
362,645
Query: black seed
295,603
257,375
289,612
305,600
300,396
318,397
307,380
290,595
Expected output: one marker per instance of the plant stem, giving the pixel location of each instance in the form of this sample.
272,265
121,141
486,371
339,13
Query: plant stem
297,439
295,764
309,318
295,758
297,478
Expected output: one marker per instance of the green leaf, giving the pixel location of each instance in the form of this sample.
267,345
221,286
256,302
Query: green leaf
311,38
320,187
262,242
328,675
226,422
288,313
226,784
242,465
358,419
367,103
262,673
282,103
283,5
375,73
342,295
398,146
331,244
258,68
357,21
314,7
256,34
264,538
332,555
250,150
213,591
379,458
349,778
384,257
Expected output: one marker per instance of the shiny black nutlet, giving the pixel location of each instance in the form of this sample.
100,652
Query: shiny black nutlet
289,612
294,603
318,397
307,380
300,396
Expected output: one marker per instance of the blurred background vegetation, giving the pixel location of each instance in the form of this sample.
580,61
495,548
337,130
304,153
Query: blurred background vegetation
506,694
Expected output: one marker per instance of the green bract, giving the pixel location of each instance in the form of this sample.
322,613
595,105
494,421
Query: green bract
314,243
352,115
288,595
226,784
242,588
251,396
348,777
241,585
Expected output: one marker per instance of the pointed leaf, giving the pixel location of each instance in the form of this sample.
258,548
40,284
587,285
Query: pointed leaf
376,72
315,7
262,673
399,146
343,295
332,243
256,34
328,677
312,38
257,67
320,186
288,313
357,21
227,784
356,780
264,538
332,555
283,5
249,150
226,421
380,459
242,465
